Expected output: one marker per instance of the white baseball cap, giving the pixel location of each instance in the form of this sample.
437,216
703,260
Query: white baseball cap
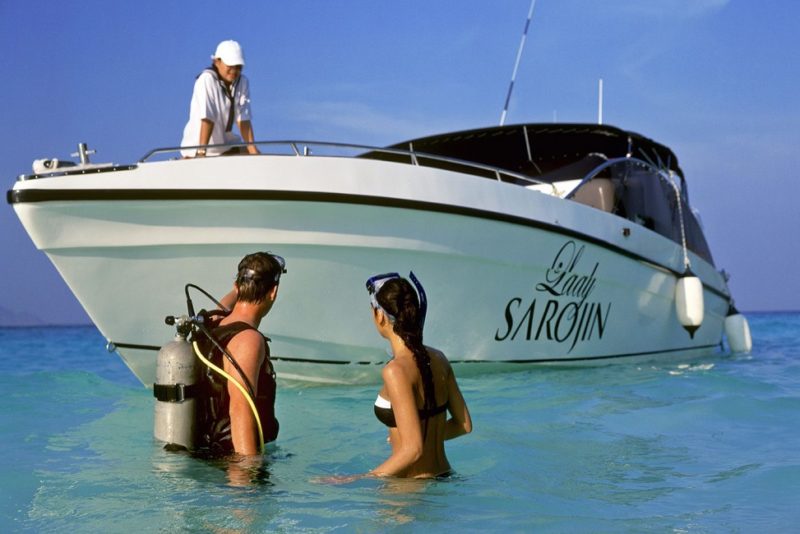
230,52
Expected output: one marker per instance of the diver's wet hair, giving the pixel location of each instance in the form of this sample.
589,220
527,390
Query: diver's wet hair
257,274
397,298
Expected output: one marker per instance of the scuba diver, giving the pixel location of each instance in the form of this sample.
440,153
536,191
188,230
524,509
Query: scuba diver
236,412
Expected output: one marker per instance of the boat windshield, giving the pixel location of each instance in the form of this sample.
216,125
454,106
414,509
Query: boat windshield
648,196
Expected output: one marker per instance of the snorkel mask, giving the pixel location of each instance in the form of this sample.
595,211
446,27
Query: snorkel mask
375,283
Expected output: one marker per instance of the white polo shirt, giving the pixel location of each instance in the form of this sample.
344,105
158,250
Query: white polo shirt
210,101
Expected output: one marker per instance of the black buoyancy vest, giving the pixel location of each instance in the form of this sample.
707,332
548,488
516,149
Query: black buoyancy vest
213,418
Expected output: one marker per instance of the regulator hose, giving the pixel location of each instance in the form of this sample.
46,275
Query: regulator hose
189,305
223,350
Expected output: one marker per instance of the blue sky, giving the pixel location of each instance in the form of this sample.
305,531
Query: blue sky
716,80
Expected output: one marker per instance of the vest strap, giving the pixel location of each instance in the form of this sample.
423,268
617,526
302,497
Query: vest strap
175,392
230,93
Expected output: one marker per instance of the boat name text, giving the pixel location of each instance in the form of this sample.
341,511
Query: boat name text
568,315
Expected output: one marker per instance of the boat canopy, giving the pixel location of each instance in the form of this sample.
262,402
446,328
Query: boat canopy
552,153
546,152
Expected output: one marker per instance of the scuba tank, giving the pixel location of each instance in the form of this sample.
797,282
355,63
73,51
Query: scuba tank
177,374
184,387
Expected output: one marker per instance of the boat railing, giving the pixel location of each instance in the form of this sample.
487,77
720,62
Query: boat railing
317,148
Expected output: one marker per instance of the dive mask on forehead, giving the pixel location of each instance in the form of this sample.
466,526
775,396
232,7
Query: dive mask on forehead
282,263
375,283
251,274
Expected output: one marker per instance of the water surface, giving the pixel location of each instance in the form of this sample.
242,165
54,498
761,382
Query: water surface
686,446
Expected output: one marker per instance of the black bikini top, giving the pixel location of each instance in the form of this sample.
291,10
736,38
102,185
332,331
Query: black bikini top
385,414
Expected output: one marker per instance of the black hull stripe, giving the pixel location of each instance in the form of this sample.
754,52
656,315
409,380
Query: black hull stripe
116,345
484,362
127,195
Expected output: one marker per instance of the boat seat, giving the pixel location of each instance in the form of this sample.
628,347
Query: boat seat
598,193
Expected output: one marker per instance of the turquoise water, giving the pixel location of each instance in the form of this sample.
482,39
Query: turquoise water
684,446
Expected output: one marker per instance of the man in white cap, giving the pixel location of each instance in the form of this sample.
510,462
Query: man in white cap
221,97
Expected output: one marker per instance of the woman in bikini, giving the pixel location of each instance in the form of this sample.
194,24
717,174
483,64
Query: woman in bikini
420,401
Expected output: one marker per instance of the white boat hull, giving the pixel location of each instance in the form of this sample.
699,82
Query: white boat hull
512,275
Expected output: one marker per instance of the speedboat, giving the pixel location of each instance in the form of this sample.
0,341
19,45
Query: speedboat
536,243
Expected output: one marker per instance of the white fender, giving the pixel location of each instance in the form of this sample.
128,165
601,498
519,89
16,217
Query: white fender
689,302
738,332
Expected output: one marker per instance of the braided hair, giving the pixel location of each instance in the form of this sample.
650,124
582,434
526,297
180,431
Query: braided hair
399,299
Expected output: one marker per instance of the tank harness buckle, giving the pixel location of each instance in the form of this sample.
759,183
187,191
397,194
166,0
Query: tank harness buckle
174,392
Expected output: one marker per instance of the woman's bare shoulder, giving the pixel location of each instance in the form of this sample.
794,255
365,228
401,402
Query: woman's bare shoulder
439,356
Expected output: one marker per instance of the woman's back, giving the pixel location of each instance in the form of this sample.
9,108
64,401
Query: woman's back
433,421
